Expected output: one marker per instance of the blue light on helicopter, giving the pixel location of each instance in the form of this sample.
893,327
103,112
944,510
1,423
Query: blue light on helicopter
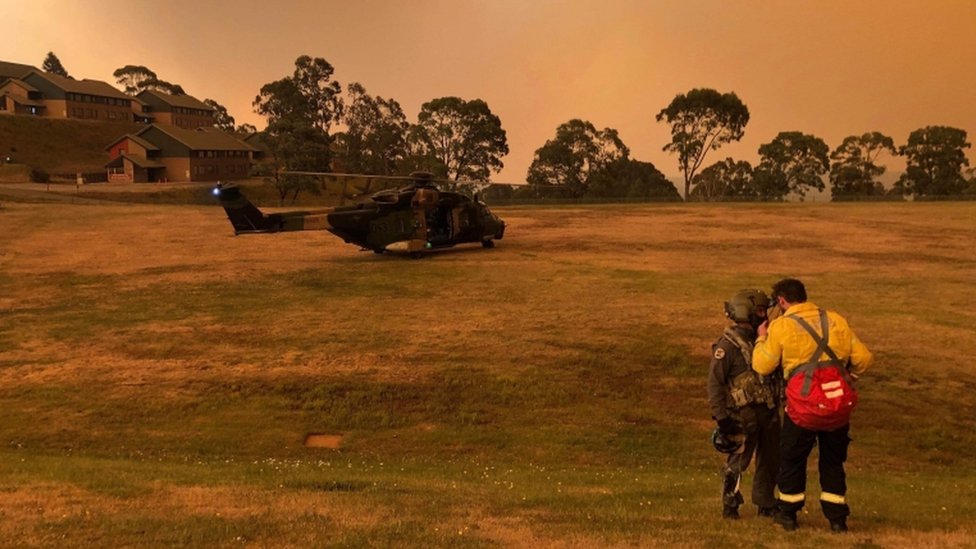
216,191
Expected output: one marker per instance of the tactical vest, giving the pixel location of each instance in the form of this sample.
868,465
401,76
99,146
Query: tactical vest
748,387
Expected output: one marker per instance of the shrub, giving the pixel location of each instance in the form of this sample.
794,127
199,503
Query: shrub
38,175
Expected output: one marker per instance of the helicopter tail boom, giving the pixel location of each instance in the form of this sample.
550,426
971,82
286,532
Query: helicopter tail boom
247,218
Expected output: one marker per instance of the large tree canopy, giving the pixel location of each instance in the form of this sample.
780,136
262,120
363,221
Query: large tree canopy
222,119
854,169
53,65
136,78
793,162
375,140
629,178
459,139
300,110
702,120
570,160
935,159
725,180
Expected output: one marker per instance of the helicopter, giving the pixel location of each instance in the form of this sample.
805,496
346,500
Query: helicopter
411,219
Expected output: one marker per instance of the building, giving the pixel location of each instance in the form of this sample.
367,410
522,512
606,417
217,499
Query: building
183,111
49,95
168,153
14,70
19,97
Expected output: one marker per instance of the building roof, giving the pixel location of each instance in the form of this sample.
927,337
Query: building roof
86,86
202,139
139,161
18,82
135,139
14,70
185,101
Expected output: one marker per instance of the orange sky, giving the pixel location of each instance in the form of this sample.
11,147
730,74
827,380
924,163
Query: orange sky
830,68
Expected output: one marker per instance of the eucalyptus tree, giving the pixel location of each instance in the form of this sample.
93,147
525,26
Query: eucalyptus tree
792,163
854,169
569,161
458,139
135,79
702,120
300,110
222,119
725,180
375,140
935,159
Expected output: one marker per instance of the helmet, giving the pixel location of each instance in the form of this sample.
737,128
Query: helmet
726,444
748,306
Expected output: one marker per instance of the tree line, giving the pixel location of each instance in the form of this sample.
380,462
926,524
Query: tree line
462,140
795,163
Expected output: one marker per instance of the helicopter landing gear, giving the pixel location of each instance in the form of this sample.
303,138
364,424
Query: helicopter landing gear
416,255
488,243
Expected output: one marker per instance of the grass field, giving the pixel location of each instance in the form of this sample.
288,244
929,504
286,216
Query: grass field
159,378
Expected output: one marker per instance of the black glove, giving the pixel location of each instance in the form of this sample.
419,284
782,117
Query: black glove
728,426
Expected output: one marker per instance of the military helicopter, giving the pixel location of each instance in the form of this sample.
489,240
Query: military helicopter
412,219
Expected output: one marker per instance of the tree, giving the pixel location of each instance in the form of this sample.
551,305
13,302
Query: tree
702,120
629,178
245,130
793,162
375,140
725,180
133,77
300,110
458,139
853,170
222,119
569,161
53,65
313,78
136,78
162,86
935,159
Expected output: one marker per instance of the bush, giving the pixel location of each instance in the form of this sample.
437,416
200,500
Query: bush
38,175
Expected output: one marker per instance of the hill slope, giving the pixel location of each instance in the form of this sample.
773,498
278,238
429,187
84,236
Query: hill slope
59,146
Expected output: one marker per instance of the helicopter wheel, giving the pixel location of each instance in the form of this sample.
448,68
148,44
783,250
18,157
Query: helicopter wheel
416,255
488,243
379,251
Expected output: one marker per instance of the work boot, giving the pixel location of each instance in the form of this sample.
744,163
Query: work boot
838,526
766,511
786,520
730,513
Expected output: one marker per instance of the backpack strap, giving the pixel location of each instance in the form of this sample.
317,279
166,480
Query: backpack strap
744,347
813,363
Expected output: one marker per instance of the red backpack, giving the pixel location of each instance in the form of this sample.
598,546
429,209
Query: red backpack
819,394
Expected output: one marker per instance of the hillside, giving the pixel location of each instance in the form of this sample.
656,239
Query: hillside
59,146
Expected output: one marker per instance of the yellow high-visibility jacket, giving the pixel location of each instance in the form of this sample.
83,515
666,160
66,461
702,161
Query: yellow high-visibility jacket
788,343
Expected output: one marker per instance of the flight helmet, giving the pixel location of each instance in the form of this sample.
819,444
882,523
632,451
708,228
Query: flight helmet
748,306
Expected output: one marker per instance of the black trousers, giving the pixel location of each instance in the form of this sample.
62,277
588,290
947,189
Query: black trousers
795,446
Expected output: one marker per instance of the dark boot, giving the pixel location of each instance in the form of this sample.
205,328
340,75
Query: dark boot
786,520
838,526
766,511
730,513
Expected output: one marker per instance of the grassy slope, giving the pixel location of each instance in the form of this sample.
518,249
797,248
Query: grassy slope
158,377
59,145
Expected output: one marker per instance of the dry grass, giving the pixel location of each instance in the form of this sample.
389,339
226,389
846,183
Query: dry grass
256,339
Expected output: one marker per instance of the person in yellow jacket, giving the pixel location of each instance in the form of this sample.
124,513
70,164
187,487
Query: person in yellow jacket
796,340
